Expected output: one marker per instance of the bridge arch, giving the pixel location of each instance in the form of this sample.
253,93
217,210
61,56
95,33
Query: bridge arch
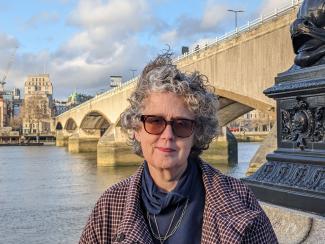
247,101
230,110
95,120
59,126
70,125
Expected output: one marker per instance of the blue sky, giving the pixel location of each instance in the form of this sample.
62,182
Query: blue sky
80,43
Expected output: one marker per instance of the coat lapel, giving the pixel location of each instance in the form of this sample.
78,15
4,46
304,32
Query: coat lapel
133,227
225,217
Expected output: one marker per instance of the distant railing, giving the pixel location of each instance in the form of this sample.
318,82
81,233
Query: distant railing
250,24
104,94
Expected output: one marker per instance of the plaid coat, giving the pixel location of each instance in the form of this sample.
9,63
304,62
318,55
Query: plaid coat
231,213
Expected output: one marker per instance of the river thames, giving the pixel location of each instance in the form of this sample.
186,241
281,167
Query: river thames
47,193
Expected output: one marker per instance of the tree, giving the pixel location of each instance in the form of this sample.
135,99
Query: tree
16,123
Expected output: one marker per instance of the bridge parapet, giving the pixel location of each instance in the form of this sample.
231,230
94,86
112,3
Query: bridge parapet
105,95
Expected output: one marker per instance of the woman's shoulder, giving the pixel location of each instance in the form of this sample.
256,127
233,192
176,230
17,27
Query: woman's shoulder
215,174
220,182
232,199
117,191
116,195
107,212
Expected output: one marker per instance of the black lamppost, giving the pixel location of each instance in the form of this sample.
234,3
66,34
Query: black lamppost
236,12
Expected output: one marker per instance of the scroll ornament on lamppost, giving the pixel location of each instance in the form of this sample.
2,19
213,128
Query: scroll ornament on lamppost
302,123
294,174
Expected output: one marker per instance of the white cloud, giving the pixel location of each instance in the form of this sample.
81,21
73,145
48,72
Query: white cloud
213,14
107,28
7,49
108,35
116,16
188,28
107,44
85,71
269,6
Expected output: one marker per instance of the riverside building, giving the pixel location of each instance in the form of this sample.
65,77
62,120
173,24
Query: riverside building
38,105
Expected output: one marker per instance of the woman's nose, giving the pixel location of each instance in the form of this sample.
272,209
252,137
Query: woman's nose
168,133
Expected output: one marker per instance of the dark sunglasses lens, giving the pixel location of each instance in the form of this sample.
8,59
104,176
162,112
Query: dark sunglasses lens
154,125
183,127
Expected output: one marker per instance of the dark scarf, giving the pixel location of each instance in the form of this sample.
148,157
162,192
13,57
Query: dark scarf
156,200
189,189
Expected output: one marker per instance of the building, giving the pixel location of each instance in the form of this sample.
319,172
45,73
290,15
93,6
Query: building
3,112
38,109
38,84
10,105
16,94
73,100
252,121
77,98
60,107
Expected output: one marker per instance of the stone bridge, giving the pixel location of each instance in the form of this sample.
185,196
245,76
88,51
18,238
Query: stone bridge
240,65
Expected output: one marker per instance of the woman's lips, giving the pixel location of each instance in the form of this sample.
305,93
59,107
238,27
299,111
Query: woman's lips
166,149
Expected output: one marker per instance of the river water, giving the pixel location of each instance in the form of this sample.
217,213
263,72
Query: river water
47,193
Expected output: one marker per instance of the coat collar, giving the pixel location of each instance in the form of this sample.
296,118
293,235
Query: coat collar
224,211
133,227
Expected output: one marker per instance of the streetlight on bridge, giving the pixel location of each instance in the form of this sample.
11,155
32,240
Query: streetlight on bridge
236,13
133,71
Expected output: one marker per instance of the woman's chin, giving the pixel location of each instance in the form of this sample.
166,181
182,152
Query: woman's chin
169,164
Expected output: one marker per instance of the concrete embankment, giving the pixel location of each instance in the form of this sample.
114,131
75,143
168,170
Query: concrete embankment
293,227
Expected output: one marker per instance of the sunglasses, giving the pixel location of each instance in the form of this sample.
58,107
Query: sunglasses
155,125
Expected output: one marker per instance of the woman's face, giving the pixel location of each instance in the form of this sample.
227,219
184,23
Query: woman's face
165,151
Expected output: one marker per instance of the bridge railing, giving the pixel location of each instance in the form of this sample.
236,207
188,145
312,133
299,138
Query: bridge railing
104,94
250,24
228,35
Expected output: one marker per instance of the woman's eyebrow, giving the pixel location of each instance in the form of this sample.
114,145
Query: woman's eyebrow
172,118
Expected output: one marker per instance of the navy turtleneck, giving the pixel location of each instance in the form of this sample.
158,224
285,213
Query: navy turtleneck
164,205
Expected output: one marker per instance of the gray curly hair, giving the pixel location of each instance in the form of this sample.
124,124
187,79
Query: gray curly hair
161,75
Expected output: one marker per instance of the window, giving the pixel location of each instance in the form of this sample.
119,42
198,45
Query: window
44,108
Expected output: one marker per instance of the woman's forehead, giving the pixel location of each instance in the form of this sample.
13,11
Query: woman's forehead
166,104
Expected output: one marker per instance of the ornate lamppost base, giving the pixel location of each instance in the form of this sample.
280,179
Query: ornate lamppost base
294,175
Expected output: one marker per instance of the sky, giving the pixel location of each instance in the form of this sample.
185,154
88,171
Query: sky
81,43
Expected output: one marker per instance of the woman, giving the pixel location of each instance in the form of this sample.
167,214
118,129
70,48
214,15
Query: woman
175,197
